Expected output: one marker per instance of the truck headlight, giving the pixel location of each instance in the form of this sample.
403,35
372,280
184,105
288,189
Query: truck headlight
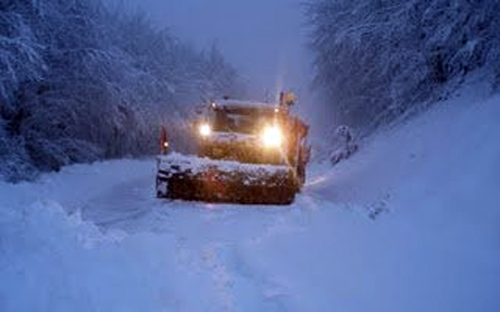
205,130
272,136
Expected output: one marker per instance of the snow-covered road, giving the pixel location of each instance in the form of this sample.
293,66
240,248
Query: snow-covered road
411,223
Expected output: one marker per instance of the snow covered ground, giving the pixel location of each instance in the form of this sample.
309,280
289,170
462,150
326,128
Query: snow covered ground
410,223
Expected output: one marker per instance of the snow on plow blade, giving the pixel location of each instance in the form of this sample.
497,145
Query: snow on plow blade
204,179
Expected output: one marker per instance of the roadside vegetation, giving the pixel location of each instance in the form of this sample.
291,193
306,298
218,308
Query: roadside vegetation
80,82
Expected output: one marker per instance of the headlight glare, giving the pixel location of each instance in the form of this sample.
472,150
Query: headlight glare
205,130
272,136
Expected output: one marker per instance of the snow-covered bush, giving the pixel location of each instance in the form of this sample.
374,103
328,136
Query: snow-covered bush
343,143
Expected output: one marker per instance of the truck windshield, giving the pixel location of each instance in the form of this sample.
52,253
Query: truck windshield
241,120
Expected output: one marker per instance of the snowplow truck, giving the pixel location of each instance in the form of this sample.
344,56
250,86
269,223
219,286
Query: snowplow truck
248,153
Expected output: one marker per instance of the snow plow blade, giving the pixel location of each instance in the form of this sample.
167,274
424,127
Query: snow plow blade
204,179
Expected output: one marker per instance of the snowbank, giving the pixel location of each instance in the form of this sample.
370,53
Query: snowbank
431,189
54,261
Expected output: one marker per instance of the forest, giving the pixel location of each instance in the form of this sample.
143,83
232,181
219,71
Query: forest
378,60
81,82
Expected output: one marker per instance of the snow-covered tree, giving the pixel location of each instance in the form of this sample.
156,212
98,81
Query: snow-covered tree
374,59
79,82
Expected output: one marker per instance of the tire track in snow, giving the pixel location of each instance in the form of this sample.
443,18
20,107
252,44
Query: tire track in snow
213,264
239,285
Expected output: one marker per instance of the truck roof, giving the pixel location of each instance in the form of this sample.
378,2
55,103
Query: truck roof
245,104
